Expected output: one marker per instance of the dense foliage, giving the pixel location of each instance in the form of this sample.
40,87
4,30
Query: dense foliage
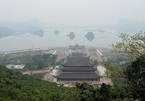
17,87
134,46
135,75
39,61
32,62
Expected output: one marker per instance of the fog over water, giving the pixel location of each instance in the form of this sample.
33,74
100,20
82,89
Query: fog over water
49,39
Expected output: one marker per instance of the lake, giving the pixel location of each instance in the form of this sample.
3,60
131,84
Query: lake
103,38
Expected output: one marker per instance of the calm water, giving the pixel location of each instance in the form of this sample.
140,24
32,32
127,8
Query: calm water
49,39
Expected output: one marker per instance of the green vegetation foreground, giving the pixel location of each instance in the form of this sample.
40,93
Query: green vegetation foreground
17,87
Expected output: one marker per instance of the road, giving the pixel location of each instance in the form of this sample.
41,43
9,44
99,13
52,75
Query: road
35,72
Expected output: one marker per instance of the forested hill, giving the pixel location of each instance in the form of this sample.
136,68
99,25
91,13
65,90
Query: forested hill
17,87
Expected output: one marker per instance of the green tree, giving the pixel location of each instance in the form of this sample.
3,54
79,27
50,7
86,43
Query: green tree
87,92
132,45
104,92
17,87
135,75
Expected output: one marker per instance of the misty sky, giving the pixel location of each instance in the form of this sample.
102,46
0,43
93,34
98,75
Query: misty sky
73,12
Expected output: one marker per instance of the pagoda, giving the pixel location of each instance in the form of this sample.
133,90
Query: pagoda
78,68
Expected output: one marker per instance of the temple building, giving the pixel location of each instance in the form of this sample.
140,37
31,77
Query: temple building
78,67
77,47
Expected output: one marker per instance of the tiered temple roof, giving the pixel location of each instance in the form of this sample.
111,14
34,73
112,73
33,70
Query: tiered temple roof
78,76
78,67
75,61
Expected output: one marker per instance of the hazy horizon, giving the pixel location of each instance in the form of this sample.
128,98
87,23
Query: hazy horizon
73,12
109,17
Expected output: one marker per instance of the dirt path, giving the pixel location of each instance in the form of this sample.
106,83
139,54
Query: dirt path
35,72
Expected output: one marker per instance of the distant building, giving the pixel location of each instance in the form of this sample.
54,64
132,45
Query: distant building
77,47
78,68
16,67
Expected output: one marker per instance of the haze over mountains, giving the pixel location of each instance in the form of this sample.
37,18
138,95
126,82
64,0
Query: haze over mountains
11,28
130,26
35,27
34,34
106,19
